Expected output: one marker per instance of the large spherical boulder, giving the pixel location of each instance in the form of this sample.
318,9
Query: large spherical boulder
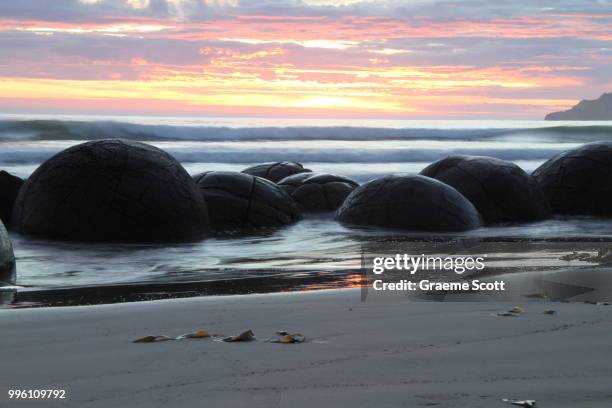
318,192
238,201
9,188
7,259
113,191
414,203
579,181
276,171
500,190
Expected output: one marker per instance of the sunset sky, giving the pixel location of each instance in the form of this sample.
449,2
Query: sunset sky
304,58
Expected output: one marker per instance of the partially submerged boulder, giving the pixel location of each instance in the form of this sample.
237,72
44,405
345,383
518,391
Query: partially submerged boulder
111,191
238,201
579,181
318,192
9,188
415,203
500,190
275,172
7,259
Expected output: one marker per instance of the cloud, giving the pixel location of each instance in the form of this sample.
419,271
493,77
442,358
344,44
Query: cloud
416,57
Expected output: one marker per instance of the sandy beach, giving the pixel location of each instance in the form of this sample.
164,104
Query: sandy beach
387,352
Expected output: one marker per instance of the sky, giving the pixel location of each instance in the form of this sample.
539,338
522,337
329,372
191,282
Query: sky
410,59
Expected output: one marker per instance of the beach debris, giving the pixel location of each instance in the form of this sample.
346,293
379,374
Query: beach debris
517,310
153,339
200,334
514,312
244,336
288,338
520,403
549,312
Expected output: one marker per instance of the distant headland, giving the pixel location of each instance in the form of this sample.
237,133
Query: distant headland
598,109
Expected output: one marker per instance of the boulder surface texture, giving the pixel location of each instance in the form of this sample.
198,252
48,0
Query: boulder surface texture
9,189
415,203
275,172
500,190
318,192
579,181
111,191
238,201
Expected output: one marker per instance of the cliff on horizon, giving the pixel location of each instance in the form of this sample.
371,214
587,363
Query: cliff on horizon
598,109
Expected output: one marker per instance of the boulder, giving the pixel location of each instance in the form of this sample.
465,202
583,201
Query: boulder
415,203
9,188
111,191
275,172
500,190
318,192
579,181
238,201
7,259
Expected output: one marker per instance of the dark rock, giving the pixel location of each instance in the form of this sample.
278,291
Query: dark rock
113,191
579,181
318,192
7,259
598,109
500,190
238,201
416,203
275,172
9,188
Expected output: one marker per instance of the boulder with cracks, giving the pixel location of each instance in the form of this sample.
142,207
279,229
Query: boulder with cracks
318,192
241,202
500,190
275,172
579,181
415,203
111,191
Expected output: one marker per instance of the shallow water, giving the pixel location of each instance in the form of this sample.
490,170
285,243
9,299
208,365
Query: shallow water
314,247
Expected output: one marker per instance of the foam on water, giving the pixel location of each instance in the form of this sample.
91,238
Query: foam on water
315,245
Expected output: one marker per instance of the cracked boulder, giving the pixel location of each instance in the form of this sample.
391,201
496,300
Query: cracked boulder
7,259
579,181
9,188
239,202
318,192
275,172
415,203
500,190
111,191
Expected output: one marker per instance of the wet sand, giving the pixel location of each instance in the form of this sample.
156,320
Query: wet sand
386,352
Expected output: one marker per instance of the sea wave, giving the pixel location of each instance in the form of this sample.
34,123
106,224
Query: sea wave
296,153
22,130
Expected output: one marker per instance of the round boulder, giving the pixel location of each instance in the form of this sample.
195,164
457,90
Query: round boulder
318,192
275,172
9,188
238,201
111,191
7,259
416,203
500,190
579,181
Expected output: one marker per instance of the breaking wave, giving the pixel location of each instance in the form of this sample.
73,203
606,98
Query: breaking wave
23,130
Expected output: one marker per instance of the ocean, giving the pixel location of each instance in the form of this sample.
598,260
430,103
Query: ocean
314,253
